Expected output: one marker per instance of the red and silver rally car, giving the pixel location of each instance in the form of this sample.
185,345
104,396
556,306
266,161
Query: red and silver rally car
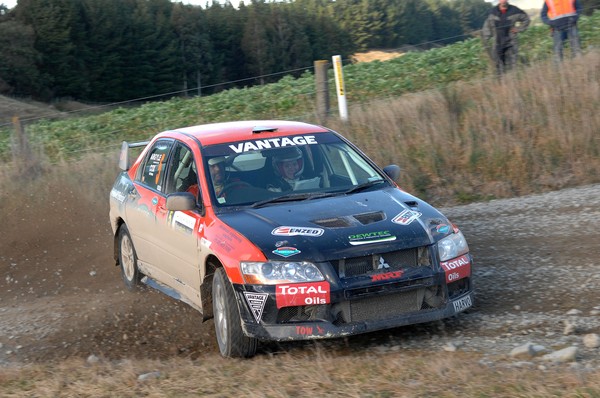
283,231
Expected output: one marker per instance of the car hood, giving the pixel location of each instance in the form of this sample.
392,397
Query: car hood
341,226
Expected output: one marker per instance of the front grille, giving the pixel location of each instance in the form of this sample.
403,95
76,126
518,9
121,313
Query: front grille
291,314
459,287
381,307
401,259
374,308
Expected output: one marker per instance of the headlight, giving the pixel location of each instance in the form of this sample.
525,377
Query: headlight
274,272
452,246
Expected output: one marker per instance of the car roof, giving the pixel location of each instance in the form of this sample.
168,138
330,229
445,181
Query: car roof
217,133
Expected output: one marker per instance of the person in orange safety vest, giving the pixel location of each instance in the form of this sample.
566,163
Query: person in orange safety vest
562,16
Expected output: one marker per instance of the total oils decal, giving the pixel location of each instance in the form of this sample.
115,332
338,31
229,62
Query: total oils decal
295,294
457,268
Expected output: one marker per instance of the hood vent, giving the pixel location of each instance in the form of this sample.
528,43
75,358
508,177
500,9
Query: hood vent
350,221
369,218
337,222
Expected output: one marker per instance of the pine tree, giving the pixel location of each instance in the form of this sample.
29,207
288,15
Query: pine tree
18,72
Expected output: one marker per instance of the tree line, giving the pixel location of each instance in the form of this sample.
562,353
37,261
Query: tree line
116,50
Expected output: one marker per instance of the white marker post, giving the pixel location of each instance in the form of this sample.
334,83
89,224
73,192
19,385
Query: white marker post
339,85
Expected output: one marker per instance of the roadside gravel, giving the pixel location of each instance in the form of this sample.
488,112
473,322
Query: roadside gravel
535,272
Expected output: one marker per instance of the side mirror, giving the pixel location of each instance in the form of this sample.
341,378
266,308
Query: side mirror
392,171
181,201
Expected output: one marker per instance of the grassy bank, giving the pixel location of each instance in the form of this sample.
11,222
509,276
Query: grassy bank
532,131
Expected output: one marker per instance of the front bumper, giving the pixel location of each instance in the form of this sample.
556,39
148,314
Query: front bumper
394,306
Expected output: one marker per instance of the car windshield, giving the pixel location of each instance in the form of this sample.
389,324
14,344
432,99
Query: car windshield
274,170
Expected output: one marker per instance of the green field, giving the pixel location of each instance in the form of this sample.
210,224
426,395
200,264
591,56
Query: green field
371,88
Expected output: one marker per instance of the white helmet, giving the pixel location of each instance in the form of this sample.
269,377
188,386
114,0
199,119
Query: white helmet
287,155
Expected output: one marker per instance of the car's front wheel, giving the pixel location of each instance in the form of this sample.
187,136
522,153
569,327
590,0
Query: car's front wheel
228,327
128,260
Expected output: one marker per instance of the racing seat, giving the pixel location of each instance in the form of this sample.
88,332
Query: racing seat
190,180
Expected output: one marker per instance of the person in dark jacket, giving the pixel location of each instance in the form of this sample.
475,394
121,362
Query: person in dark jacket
499,34
562,16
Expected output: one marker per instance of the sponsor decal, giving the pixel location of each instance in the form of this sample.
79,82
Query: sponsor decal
295,294
462,304
286,251
226,239
156,157
117,195
382,263
406,217
155,200
457,268
205,242
270,143
183,222
371,237
143,208
387,276
442,228
309,330
295,231
256,302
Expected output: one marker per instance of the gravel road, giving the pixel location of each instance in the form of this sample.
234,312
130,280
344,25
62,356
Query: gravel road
536,282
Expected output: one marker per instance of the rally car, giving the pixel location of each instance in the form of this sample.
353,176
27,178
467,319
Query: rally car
283,231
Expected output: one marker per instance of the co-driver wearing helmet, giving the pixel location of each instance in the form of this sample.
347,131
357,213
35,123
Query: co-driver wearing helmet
288,167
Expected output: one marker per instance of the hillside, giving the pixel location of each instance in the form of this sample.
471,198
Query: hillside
10,107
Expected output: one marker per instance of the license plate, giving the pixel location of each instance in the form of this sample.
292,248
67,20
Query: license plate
462,304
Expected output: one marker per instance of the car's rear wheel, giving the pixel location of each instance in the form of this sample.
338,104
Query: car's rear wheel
128,260
228,327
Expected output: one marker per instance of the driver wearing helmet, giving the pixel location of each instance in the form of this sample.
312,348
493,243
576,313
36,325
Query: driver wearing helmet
288,166
217,174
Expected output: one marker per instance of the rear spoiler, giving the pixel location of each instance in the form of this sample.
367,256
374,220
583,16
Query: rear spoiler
124,156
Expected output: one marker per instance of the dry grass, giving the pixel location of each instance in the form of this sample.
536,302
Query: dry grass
376,55
532,131
307,373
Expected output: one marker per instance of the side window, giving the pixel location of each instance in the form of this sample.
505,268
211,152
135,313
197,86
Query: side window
335,160
154,165
182,175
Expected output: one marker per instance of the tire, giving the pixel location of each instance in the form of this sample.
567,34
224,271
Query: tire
233,343
128,261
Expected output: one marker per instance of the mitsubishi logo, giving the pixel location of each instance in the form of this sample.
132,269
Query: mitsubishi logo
382,263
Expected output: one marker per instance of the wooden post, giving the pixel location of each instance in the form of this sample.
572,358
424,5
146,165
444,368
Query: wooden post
19,142
23,160
322,89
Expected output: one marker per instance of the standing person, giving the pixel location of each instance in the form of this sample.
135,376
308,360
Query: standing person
562,16
503,25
